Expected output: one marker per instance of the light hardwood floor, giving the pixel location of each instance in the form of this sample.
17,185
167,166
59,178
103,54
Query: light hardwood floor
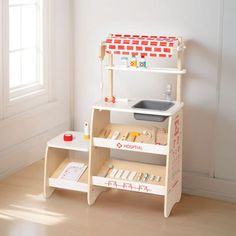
23,211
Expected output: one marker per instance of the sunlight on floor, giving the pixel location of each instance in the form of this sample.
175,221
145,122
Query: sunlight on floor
32,214
5,217
38,197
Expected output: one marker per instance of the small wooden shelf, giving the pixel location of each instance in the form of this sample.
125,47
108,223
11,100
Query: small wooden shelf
175,71
59,153
77,144
143,143
151,187
81,185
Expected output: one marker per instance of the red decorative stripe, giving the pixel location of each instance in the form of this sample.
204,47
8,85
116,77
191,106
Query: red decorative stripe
148,49
117,41
162,55
135,42
125,53
112,47
163,43
167,50
130,48
139,48
157,49
109,41
153,43
144,42
153,54
142,45
143,36
121,47
126,41
144,54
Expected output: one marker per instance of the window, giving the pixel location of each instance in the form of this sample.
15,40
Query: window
27,50
25,57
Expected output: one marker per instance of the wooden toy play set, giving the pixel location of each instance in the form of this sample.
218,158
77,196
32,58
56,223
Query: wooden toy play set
162,135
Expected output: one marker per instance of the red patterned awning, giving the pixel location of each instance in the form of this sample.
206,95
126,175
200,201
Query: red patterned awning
141,45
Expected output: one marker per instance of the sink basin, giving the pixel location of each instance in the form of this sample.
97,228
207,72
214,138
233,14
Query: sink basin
152,105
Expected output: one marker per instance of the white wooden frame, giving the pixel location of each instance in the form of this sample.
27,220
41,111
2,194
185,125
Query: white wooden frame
57,156
1,60
40,94
99,156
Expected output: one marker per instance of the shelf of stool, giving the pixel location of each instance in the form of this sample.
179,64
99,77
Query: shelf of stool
81,185
160,70
151,187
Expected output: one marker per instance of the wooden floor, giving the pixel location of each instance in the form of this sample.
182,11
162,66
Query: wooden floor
23,211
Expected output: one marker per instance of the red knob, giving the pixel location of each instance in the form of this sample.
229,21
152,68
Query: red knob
68,137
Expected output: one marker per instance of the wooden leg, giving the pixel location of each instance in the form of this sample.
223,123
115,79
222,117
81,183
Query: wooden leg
97,156
53,159
171,198
94,194
174,163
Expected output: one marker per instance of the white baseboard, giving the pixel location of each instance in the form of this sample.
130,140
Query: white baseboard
27,152
209,187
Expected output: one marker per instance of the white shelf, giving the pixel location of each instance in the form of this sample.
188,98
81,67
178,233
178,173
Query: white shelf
129,185
135,186
77,144
130,146
143,143
127,107
81,185
175,71
68,185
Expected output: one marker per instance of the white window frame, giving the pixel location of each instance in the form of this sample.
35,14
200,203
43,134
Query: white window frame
32,96
1,62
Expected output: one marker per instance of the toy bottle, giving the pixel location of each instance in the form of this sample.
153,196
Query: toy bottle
143,62
86,131
133,62
124,62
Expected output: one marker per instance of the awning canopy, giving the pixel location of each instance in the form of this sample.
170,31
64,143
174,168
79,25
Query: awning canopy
141,45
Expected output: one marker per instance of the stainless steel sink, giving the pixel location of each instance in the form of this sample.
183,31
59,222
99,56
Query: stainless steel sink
152,105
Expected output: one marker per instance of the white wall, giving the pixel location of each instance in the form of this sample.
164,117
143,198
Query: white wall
23,137
205,85
225,160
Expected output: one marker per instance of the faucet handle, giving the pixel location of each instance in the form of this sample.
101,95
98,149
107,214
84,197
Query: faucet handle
168,92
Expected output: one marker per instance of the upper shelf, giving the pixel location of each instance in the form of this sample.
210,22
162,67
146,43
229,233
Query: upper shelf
175,71
123,106
77,144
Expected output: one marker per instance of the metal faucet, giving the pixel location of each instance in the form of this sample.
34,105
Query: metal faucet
168,92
